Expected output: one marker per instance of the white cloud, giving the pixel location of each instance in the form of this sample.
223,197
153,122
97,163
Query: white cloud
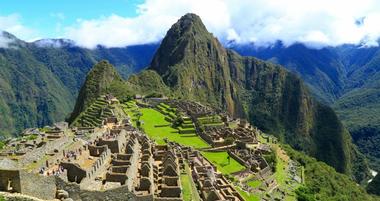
316,23
12,24
59,15
4,41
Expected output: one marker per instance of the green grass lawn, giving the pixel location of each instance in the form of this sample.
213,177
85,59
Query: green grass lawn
220,160
254,183
186,187
281,173
152,118
247,196
281,176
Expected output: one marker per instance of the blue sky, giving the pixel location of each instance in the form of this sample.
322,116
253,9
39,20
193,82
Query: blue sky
47,16
118,23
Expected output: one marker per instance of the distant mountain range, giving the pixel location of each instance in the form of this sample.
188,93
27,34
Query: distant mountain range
39,81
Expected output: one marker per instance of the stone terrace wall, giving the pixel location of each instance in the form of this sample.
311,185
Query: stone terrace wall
40,152
38,186
238,159
76,193
28,183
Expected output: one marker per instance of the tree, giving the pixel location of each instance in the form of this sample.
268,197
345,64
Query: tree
229,140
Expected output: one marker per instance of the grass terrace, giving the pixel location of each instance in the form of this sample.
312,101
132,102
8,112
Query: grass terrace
157,127
247,196
131,109
210,121
94,114
220,159
254,183
167,110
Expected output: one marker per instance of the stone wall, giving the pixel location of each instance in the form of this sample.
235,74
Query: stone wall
28,183
115,145
96,150
37,185
76,193
238,159
74,172
10,178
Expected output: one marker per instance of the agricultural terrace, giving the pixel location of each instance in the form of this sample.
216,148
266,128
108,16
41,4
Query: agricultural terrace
185,125
210,121
156,125
94,114
282,175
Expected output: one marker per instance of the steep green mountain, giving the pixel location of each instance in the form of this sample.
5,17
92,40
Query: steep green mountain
39,81
98,82
321,69
30,94
195,66
347,77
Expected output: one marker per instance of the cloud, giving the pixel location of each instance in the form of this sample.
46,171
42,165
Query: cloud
55,43
5,41
12,24
59,15
315,23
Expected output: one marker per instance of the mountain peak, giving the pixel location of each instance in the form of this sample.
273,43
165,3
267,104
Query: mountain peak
189,21
98,82
187,39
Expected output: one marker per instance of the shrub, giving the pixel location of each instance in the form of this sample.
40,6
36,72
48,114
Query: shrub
304,194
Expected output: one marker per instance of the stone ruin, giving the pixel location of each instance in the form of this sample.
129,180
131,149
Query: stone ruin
212,185
117,162
166,173
252,158
216,136
193,109
34,144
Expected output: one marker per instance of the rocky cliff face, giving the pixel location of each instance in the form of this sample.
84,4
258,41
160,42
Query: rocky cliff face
195,66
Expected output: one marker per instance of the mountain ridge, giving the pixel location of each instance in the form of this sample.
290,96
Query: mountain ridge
39,84
356,96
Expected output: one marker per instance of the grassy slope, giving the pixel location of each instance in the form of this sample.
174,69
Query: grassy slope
247,196
220,160
152,118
